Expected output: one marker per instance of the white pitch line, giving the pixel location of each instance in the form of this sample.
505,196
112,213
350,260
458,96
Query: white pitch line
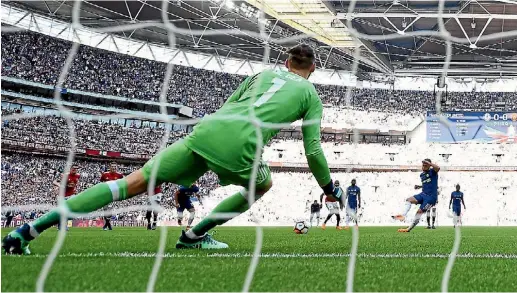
277,255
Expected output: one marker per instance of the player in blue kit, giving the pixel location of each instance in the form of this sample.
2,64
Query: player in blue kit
427,198
353,194
182,199
456,201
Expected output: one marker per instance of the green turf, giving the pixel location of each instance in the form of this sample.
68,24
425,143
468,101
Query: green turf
75,270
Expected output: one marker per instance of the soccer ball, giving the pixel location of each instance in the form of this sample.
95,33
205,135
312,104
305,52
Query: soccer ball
301,227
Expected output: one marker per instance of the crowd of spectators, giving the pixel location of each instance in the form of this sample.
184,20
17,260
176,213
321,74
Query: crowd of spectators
105,136
90,134
105,72
28,180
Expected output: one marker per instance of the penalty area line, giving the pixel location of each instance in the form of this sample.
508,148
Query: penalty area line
279,255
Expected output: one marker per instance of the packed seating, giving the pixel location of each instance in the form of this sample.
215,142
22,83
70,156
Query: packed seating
90,134
28,180
100,71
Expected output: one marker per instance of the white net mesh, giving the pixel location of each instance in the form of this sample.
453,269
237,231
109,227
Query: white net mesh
172,31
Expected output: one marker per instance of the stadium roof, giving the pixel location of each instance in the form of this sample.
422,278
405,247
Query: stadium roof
425,55
199,16
326,22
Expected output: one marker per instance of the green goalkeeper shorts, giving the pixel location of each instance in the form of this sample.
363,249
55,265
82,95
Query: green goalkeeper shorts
180,165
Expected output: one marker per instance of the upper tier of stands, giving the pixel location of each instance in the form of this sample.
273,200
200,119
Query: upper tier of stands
39,58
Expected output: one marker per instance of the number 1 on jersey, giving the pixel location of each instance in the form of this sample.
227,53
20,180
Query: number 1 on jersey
277,84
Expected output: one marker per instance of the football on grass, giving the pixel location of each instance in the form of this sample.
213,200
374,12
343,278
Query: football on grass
301,227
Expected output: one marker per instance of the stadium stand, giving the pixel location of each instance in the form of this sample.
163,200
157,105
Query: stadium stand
52,130
27,179
104,72
384,194
90,134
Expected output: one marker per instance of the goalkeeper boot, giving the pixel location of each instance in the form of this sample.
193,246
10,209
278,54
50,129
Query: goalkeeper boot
15,243
206,242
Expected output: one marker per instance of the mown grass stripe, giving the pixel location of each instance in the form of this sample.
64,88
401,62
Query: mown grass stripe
281,255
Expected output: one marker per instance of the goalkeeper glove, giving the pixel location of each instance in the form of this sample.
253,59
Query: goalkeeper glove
331,190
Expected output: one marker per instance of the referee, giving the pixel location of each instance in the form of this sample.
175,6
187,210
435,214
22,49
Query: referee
9,215
315,212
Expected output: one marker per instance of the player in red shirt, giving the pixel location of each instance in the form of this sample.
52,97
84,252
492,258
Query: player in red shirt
110,175
333,206
157,199
72,180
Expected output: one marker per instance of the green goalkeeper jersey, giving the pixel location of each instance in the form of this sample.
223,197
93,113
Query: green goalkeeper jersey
229,139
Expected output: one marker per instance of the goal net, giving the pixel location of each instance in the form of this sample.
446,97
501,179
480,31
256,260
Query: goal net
263,33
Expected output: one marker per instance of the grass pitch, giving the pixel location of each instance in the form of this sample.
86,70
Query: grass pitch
122,260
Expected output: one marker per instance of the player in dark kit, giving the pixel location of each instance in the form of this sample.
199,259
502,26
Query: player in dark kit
456,201
431,213
110,175
315,212
72,180
353,194
427,198
182,199
152,213
334,204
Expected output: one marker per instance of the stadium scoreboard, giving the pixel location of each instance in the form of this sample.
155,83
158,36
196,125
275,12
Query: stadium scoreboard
481,127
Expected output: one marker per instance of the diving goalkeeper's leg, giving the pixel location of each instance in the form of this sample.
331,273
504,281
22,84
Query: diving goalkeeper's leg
175,164
197,237
94,198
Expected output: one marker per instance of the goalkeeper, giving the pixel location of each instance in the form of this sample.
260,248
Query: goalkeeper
220,143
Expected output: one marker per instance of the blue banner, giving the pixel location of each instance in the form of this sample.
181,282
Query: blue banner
481,127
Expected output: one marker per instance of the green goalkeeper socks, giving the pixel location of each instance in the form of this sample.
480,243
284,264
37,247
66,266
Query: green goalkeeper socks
236,203
87,201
